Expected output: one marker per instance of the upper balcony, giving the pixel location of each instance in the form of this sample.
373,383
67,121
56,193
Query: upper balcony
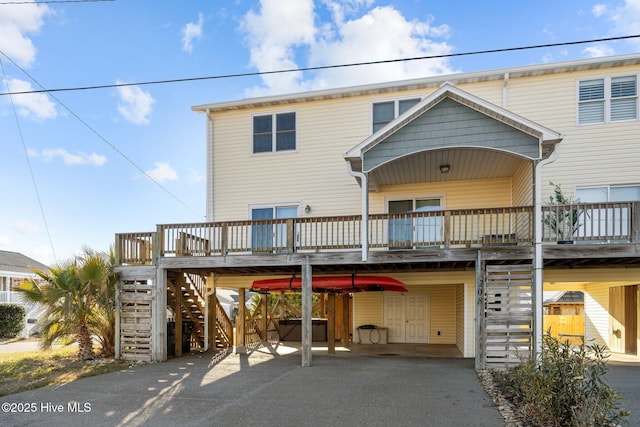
600,224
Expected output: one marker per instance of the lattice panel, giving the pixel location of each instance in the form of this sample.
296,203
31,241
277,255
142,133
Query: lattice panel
508,314
135,320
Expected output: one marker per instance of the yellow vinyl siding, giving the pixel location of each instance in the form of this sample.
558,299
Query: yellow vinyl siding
596,306
460,314
457,194
367,309
316,173
523,185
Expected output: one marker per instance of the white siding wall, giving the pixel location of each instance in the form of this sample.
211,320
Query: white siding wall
596,306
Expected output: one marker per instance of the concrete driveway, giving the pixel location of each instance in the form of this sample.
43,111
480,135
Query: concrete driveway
262,389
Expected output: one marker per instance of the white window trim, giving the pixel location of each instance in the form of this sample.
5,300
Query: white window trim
273,206
607,99
396,106
273,133
396,198
607,186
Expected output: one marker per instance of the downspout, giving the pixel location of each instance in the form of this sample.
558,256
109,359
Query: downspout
538,261
364,197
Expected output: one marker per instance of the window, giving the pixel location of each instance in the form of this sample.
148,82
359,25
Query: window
265,140
269,236
406,231
385,112
607,100
606,222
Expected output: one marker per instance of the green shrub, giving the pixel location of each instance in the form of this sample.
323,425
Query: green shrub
564,388
11,320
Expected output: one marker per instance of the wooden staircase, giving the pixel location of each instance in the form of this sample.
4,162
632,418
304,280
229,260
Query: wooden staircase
192,288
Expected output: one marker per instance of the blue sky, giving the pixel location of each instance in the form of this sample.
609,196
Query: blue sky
87,149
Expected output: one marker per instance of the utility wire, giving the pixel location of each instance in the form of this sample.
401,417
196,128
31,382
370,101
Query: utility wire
26,154
321,67
52,1
105,140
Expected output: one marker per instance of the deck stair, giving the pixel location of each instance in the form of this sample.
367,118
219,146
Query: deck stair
193,290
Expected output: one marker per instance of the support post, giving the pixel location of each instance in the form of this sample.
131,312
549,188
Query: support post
240,323
264,322
306,312
345,321
177,286
331,324
159,316
480,319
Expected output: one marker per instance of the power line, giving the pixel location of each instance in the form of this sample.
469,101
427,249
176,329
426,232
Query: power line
26,154
321,67
53,1
105,140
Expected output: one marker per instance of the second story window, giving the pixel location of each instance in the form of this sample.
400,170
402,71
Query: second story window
274,132
385,112
607,100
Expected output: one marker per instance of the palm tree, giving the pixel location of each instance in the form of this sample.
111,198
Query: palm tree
78,298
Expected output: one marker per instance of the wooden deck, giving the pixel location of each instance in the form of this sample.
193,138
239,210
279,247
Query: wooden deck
452,238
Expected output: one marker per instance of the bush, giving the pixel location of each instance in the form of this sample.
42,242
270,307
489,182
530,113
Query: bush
564,388
11,320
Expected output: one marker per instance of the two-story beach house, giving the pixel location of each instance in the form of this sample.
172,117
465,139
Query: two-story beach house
421,207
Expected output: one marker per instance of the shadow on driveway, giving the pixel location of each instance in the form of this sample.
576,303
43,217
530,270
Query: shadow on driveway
263,389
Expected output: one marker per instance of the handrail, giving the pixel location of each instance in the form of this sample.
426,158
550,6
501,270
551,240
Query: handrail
601,222
224,324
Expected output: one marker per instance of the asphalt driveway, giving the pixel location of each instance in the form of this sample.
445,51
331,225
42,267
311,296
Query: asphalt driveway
263,390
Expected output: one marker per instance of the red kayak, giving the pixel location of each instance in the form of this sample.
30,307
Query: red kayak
341,284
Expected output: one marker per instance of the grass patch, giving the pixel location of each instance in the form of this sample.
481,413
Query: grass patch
22,371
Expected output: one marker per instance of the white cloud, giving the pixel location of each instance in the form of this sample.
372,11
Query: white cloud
16,22
352,34
50,154
35,106
28,227
192,31
135,104
162,172
598,10
195,177
624,20
598,51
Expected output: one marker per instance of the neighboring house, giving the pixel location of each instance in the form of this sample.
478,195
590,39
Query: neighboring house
441,183
14,268
565,303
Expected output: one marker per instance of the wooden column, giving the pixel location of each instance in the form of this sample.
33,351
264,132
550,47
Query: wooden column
177,287
323,307
240,322
307,312
480,320
158,315
345,321
265,314
331,323
211,313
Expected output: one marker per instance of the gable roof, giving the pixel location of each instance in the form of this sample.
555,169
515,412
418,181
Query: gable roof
425,82
19,263
448,90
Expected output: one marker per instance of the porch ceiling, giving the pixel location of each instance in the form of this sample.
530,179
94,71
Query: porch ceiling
464,164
